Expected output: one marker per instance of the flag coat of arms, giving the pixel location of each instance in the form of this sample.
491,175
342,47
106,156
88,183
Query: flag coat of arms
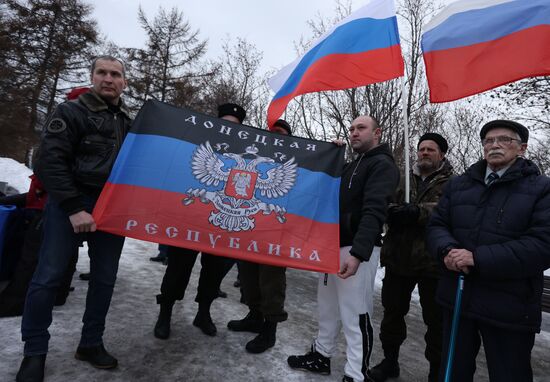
361,49
189,180
476,45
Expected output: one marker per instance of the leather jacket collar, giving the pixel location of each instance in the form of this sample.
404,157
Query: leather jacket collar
96,104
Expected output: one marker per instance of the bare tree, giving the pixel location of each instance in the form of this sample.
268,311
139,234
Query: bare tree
462,132
527,100
237,79
539,152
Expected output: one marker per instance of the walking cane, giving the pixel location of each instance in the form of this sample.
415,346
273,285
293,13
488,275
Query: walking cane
454,328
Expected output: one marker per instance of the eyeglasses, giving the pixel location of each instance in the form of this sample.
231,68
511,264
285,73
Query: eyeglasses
503,139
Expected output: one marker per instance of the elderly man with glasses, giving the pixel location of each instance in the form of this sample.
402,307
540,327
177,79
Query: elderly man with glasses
493,225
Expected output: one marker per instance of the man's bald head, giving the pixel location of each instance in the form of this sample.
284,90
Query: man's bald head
364,133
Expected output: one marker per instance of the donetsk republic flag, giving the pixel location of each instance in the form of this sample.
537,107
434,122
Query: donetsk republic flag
189,180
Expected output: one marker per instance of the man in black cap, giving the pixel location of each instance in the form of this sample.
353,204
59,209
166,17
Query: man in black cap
407,261
180,266
264,291
492,225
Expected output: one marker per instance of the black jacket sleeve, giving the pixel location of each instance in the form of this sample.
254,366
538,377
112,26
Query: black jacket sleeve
380,184
56,158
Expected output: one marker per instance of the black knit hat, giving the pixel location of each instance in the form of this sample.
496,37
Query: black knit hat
232,109
510,125
441,142
283,124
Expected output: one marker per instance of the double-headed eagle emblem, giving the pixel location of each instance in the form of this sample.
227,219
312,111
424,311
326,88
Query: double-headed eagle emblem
245,183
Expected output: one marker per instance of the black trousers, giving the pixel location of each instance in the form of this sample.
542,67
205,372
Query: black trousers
264,289
178,271
396,299
508,352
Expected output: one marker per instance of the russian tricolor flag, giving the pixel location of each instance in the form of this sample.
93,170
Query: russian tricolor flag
476,45
362,49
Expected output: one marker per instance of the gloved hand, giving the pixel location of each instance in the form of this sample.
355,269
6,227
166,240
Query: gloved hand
391,218
403,214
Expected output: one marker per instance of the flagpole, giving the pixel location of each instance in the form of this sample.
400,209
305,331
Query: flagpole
406,139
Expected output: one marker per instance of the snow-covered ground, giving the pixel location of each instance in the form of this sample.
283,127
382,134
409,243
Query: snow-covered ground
15,174
189,355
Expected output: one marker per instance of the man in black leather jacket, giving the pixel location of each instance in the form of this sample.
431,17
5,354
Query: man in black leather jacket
80,144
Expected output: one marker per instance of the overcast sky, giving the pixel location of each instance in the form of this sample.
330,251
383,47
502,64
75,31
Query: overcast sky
272,25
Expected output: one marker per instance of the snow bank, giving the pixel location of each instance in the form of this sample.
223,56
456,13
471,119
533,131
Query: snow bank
15,174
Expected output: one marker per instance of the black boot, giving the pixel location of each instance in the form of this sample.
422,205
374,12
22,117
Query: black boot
32,369
203,321
388,368
97,356
253,322
264,340
162,327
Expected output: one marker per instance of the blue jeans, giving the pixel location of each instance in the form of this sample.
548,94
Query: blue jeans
58,246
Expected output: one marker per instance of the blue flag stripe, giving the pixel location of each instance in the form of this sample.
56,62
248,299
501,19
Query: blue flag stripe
164,163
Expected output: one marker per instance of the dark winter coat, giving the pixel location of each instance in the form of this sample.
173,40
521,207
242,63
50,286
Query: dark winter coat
367,185
507,228
81,141
404,251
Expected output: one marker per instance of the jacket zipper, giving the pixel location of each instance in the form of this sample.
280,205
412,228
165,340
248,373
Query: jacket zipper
117,131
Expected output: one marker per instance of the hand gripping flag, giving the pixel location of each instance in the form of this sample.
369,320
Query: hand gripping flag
361,49
476,45
189,180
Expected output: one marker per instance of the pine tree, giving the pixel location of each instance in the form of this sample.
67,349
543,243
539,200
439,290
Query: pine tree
166,69
49,43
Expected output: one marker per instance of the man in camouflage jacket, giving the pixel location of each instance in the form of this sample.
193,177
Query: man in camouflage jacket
407,262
